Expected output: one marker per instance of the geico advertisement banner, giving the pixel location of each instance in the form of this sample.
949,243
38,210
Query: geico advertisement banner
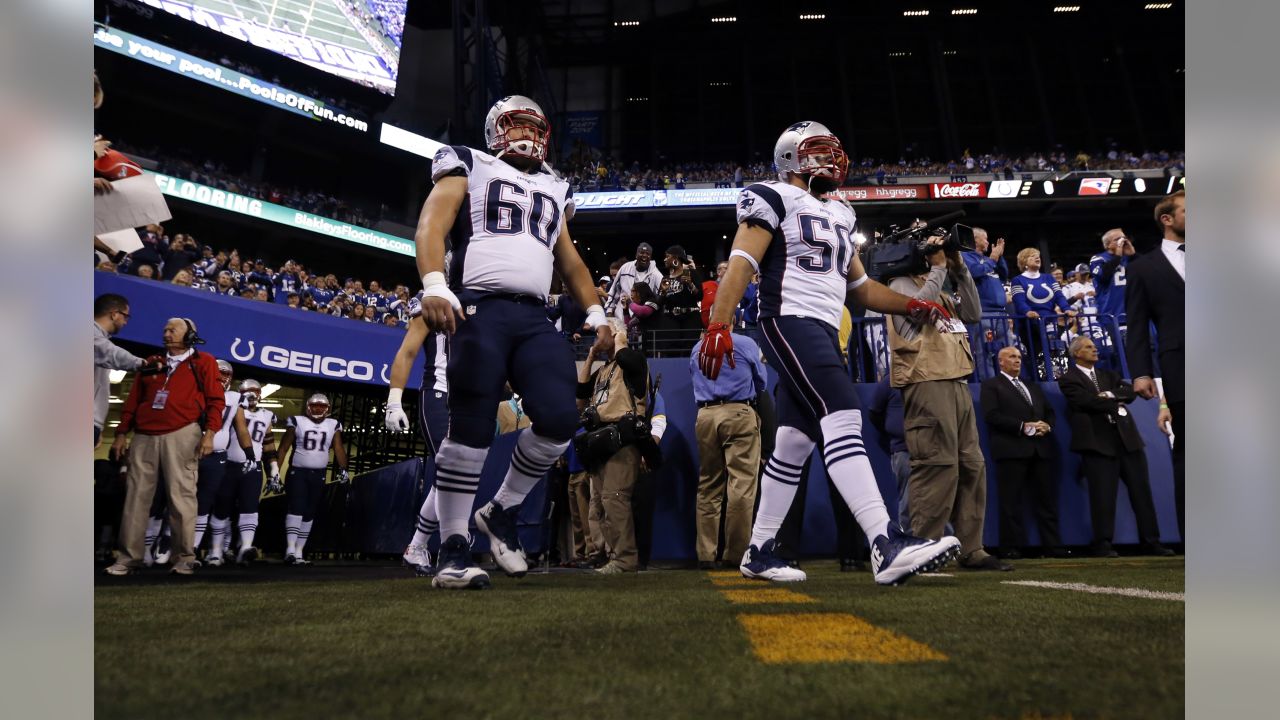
253,207
261,334
212,73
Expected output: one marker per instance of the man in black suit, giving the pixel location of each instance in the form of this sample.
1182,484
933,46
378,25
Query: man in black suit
1103,432
1157,294
1020,420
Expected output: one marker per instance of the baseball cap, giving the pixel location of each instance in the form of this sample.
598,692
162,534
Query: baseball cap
1082,268
644,246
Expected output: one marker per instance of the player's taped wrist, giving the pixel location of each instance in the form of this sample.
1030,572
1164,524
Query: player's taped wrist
393,397
434,285
596,317
275,469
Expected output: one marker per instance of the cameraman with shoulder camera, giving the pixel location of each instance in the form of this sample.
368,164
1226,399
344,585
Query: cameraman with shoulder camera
614,401
931,363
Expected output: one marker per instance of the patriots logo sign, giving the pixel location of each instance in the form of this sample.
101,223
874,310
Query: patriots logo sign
747,202
799,126
440,154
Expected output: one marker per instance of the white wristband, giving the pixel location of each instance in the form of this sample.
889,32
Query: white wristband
856,283
393,396
275,468
433,278
746,256
596,317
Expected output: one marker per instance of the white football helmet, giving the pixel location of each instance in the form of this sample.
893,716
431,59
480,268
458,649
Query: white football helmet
318,406
250,393
809,148
517,112
226,373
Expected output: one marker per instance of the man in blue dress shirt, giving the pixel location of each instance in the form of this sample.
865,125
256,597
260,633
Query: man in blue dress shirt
728,432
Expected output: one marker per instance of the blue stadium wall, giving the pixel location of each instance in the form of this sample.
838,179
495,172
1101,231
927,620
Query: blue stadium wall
379,513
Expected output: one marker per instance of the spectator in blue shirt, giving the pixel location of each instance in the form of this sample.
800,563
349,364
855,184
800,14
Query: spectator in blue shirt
728,432
1108,269
1036,298
987,266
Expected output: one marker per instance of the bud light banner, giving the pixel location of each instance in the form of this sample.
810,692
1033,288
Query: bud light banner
261,334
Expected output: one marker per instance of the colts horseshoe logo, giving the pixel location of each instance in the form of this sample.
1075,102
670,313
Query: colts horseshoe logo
236,355
385,377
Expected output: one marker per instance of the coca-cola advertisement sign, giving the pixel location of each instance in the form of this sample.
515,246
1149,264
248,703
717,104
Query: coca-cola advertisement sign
959,190
882,192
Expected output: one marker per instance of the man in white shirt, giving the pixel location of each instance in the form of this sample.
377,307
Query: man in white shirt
110,315
642,269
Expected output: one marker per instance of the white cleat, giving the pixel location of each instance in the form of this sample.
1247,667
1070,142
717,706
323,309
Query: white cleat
898,556
504,543
762,564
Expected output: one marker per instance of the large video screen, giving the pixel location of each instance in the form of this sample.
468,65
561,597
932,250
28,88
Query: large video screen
355,39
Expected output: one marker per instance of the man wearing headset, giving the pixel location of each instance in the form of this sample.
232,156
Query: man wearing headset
174,414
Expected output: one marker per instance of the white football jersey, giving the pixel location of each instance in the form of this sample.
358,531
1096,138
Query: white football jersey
805,270
508,224
312,440
436,362
222,438
259,422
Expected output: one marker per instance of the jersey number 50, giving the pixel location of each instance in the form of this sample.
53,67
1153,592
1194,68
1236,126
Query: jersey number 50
817,232
507,205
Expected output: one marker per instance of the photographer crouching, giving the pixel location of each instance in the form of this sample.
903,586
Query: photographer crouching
931,363
616,417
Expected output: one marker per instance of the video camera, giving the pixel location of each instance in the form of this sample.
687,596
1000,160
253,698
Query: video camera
906,251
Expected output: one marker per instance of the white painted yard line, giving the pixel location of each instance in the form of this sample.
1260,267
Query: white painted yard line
1101,590
927,575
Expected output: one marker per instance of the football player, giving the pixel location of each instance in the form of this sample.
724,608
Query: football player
506,216
213,467
433,419
802,246
241,490
308,437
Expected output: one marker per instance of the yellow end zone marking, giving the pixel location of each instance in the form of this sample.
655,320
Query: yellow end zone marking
724,574
830,637
738,581
765,595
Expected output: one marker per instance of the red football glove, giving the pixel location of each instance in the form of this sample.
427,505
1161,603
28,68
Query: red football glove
921,311
716,347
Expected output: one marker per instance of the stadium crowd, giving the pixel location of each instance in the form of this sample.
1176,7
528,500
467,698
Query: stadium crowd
591,171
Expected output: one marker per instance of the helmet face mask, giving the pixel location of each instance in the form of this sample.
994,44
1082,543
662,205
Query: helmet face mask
225,373
810,150
516,127
250,393
318,407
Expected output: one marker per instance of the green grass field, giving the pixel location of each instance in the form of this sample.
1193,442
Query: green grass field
373,642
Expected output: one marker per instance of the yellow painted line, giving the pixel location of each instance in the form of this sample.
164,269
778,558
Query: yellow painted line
765,595
738,581
829,638
724,573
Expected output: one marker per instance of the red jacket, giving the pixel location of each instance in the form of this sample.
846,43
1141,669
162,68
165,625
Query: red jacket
185,401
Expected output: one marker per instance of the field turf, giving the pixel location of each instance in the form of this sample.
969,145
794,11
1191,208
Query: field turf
370,641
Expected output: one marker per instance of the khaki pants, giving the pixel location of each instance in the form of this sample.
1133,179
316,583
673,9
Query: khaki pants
729,451
579,510
617,480
948,474
177,456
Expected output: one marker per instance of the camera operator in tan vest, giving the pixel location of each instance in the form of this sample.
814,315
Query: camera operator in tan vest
614,401
932,363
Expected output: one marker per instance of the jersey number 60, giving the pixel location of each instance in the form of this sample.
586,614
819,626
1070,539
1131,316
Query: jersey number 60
507,205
